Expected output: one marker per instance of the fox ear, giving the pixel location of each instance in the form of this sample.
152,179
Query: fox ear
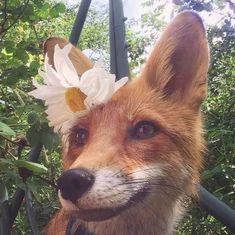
177,67
80,61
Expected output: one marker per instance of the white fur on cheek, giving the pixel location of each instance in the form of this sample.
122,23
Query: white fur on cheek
110,190
149,172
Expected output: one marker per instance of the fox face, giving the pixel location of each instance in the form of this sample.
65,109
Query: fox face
134,159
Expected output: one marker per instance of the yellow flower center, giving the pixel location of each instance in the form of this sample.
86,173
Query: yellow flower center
75,99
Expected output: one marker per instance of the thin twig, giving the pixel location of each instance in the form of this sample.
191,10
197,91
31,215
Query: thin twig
49,182
18,125
36,34
7,151
4,31
5,14
11,141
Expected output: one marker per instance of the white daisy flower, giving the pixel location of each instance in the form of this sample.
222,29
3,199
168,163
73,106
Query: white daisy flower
66,94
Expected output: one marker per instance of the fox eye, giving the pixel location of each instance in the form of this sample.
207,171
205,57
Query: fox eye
144,130
81,136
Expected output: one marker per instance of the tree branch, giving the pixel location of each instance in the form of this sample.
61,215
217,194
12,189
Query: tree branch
12,141
5,15
36,34
4,31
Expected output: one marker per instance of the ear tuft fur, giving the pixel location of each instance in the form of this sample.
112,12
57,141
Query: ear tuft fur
178,65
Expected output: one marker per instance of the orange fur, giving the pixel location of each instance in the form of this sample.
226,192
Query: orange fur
168,92
80,61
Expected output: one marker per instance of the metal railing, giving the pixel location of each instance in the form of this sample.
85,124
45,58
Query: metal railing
10,208
119,66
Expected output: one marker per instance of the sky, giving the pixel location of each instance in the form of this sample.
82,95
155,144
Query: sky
133,9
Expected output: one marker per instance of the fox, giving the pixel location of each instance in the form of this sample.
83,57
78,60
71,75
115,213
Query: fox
130,163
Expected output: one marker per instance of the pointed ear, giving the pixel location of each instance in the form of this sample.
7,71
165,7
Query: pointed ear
177,67
80,61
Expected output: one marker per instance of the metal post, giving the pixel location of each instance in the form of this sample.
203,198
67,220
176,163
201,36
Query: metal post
217,208
5,223
79,21
118,48
9,208
18,197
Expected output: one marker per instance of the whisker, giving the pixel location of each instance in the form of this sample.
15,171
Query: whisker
161,186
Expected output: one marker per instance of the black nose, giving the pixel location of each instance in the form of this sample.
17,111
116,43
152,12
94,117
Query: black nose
74,183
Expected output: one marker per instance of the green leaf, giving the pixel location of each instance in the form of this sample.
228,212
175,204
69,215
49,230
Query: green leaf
6,130
208,174
28,13
42,133
34,188
4,162
21,54
33,118
43,13
9,46
16,74
32,166
33,135
34,65
57,9
49,139
3,192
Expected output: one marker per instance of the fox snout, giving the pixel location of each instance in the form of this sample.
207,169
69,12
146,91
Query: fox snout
74,183
102,193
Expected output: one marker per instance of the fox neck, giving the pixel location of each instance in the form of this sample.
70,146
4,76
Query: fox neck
152,219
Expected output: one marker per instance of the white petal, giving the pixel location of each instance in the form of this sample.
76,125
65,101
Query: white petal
64,66
55,100
121,82
44,76
105,92
45,92
58,114
52,77
99,64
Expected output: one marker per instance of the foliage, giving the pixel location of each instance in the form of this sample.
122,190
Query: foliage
25,25
219,109
21,35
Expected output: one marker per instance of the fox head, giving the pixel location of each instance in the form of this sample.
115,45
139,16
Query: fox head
143,148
